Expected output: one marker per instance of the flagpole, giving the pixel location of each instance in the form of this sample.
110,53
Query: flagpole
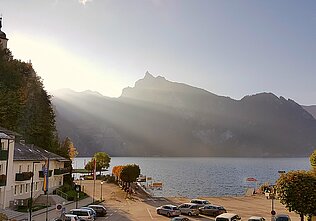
94,178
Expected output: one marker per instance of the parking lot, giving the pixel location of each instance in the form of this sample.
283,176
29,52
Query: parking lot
141,207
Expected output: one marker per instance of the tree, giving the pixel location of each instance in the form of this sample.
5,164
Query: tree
89,166
129,173
102,161
297,192
312,160
71,149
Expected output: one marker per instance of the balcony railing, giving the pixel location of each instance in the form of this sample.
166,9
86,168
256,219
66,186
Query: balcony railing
3,154
41,174
3,180
23,176
62,171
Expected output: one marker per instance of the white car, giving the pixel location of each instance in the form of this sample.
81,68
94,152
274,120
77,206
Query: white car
256,218
69,217
227,217
83,214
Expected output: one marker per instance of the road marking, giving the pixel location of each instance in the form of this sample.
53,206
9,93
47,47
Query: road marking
150,214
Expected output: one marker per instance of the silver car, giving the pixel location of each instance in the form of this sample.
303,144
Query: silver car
190,209
168,210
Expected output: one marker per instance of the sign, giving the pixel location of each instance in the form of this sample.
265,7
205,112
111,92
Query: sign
78,188
59,207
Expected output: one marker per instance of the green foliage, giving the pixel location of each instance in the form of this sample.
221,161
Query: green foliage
297,192
89,166
102,162
25,107
129,173
312,160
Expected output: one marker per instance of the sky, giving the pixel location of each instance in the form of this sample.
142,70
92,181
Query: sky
230,48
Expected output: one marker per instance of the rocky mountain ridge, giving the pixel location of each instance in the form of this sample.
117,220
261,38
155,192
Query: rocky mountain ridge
157,117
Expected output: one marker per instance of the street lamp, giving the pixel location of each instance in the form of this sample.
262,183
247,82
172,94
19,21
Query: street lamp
31,200
101,189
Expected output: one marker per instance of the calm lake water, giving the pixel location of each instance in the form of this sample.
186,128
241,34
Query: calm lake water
197,177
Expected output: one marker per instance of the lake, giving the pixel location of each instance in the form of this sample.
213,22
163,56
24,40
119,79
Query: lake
209,176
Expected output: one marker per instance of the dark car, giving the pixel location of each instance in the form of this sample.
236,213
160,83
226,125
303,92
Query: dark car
212,210
282,217
180,219
99,209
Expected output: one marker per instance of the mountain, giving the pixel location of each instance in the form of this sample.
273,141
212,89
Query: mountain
311,109
157,117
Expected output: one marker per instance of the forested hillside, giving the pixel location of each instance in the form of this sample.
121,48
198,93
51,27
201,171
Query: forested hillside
25,106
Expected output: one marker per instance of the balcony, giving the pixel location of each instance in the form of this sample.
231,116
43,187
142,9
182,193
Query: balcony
41,174
62,171
23,176
3,154
3,180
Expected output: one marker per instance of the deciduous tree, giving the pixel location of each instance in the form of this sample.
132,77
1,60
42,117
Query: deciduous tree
297,192
312,160
102,161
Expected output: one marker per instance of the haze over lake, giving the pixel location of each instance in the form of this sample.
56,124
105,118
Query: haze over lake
209,176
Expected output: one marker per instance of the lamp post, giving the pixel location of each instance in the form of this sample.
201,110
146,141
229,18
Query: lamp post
31,200
101,189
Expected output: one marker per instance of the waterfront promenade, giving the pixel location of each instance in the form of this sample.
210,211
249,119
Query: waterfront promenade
142,207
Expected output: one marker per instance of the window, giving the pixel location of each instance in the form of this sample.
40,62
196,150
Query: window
27,187
21,188
16,189
28,168
0,168
2,145
20,168
36,186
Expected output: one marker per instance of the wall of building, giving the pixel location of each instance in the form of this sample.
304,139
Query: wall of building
21,189
3,43
6,191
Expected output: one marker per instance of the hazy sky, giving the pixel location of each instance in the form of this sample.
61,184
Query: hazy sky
231,48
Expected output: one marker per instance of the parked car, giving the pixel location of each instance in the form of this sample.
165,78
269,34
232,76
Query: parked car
200,202
180,219
282,217
168,210
212,210
92,210
256,218
83,214
190,209
69,217
227,217
99,209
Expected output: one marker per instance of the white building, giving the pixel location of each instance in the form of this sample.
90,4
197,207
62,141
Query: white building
28,160
7,139
16,170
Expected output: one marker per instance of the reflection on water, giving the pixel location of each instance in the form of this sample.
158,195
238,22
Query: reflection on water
194,177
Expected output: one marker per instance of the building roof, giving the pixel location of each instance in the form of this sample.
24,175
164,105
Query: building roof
9,132
4,136
31,153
